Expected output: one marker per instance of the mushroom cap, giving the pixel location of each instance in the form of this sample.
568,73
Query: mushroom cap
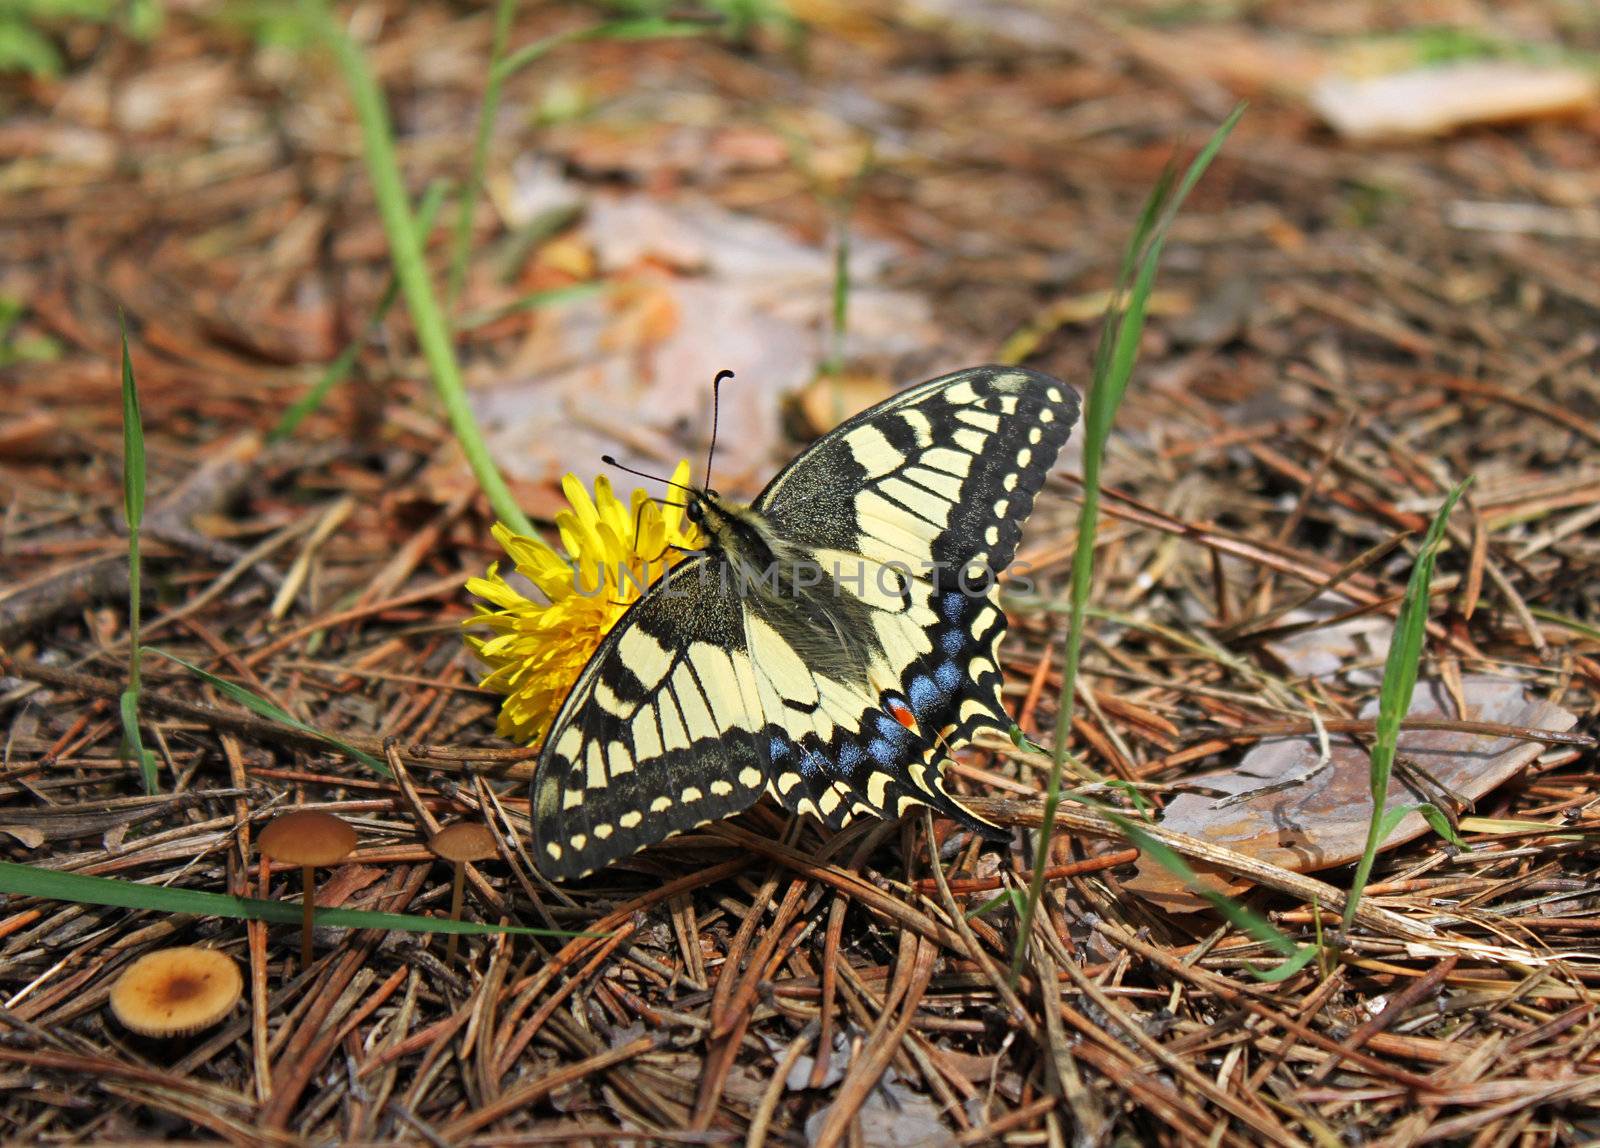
464,841
307,837
175,992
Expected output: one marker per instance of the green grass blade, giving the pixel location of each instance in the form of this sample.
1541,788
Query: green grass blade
645,29
1287,967
335,373
133,741
501,68
461,246
345,361
1390,821
1099,416
1113,368
133,490
1394,696
1138,243
532,301
133,476
844,208
994,902
1141,803
26,49
1431,813
1012,897
260,705
1440,824
81,889
405,250
1566,622
841,308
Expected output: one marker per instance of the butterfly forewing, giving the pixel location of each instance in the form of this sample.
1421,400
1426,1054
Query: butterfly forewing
841,696
659,733
944,472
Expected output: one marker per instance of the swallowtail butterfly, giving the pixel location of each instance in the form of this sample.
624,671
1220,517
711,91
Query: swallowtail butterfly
831,643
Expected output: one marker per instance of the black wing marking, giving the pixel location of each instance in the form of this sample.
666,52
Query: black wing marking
659,733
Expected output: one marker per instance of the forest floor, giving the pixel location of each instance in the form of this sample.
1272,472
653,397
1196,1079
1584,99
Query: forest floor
1341,332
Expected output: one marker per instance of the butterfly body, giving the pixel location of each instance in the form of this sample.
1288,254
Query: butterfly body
784,585
829,644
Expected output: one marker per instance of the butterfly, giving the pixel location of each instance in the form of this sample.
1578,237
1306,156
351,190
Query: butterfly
829,646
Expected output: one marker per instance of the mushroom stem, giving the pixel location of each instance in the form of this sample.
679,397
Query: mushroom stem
307,838
455,910
308,906
459,843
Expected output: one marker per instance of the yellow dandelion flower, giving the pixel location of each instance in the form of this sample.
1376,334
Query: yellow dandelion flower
536,650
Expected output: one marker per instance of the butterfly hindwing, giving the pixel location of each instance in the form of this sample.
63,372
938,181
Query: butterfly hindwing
882,748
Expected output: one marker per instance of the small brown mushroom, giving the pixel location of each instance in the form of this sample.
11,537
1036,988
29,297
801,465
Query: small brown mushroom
175,992
307,838
459,843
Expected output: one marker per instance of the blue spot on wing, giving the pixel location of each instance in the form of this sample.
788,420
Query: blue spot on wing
952,604
891,729
923,694
948,675
952,642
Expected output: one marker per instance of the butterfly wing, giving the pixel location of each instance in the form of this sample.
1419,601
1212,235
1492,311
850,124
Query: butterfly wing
659,733
934,486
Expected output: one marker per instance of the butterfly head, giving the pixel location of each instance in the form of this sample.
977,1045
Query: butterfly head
715,515
707,509
699,500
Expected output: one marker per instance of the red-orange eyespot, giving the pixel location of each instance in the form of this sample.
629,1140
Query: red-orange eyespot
902,713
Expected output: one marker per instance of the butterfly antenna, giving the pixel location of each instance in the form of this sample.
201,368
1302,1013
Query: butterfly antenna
610,460
638,519
716,402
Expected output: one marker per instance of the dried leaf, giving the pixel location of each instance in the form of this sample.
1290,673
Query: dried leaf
1434,101
826,401
695,289
1321,821
30,837
894,1116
